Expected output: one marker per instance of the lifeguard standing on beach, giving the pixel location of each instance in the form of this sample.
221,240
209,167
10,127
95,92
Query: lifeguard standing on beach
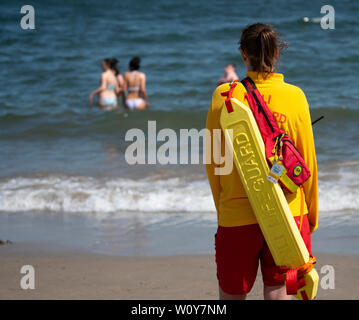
239,242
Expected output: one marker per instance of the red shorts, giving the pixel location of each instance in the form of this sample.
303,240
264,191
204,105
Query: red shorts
238,252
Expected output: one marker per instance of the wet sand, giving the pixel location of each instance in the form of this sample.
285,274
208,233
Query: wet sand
66,274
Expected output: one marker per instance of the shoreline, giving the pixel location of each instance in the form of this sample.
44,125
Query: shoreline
69,274
147,234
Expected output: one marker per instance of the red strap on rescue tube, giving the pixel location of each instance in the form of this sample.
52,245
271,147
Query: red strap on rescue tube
228,94
304,295
291,281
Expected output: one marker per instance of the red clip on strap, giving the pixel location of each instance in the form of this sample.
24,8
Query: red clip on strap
293,284
294,278
228,94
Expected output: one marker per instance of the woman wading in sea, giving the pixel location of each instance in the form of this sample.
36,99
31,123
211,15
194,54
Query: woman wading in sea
109,86
135,84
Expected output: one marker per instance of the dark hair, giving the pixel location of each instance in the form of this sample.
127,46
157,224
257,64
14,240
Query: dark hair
135,63
112,64
260,43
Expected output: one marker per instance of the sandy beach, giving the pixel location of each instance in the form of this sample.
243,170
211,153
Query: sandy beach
63,274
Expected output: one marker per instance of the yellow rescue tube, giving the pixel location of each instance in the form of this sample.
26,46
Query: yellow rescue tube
267,199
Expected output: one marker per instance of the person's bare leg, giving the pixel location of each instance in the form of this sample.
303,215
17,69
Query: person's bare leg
276,293
226,296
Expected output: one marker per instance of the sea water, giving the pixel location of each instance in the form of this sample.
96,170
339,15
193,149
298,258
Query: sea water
63,175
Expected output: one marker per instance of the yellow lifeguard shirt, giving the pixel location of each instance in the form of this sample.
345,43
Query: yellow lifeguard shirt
289,106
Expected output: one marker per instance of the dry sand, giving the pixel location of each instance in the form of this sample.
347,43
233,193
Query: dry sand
61,274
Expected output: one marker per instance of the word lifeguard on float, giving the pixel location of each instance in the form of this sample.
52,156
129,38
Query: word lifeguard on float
162,147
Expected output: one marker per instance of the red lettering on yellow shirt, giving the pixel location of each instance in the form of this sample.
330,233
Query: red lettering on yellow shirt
266,101
281,118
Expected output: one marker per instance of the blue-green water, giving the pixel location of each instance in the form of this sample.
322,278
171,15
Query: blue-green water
61,156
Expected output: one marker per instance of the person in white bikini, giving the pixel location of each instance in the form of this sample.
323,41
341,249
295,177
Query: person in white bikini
135,85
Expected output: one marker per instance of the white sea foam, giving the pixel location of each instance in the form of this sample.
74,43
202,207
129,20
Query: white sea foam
338,192
312,20
85,194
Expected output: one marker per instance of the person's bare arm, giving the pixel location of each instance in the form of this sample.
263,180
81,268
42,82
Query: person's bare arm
143,89
99,89
124,89
120,82
222,80
124,85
